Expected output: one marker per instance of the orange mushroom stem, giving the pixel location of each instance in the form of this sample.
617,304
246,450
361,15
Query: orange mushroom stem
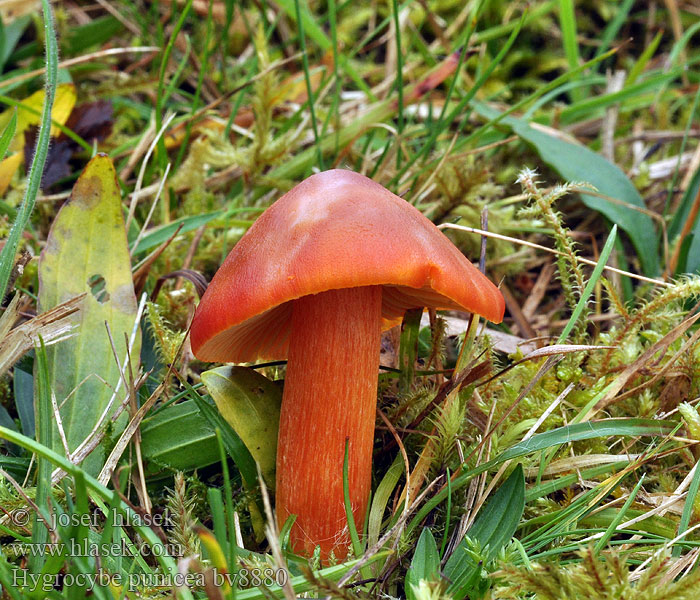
330,396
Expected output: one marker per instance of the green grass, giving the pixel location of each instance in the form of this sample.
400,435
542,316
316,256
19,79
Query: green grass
544,473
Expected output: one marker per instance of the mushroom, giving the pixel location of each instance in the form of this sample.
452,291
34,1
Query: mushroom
315,280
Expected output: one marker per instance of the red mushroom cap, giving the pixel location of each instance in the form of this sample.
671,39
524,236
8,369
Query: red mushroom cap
334,230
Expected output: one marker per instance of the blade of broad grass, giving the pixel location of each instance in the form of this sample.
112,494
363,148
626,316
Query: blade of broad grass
7,255
408,348
194,447
688,508
352,528
688,261
497,521
23,390
44,430
590,286
380,499
425,563
234,446
556,437
567,22
101,495
493,528
602,542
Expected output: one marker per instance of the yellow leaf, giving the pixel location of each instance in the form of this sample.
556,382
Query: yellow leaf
8,168
86,253
14,9
29,113
250,403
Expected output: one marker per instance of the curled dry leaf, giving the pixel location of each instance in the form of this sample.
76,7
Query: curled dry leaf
194,277
52,326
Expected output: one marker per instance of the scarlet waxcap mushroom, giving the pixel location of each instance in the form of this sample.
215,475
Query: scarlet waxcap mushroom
315,279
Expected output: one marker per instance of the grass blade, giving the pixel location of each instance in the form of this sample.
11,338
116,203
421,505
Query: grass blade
540,441
7,255
590,286
618,518
567,22
307,79
102,495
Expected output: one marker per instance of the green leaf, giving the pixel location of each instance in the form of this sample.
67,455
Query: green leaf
493,529
425,563
408,347
497,521
250,403
23,388
579,164
78,40
11,34
86,252
235,448
193,447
